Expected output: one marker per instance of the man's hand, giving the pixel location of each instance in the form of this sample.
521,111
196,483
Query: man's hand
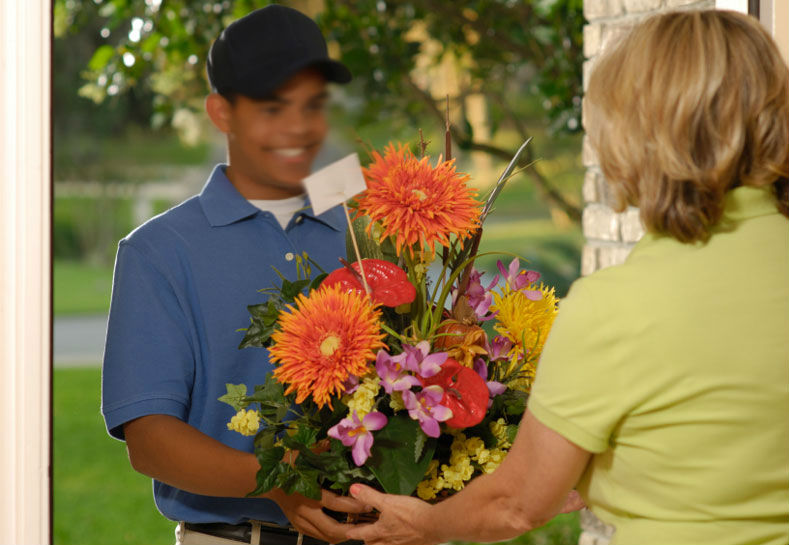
306,515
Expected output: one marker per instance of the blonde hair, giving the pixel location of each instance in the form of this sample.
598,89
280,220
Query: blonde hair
687,106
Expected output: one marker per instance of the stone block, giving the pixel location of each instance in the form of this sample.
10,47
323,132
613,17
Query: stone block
588,539
631,227
613,254
588,155
588,259
592,35
589,190
598,9
593,525
613,33
693,4
605,193
586,70
639,6
600,223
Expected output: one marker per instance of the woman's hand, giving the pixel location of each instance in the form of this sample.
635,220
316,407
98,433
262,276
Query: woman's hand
403,519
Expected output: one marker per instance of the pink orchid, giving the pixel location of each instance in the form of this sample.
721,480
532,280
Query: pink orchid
418,359
518,279
499,348
358,434
479,298
425,407
495,388
394,377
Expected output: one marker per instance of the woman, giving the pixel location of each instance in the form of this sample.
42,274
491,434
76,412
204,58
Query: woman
663,391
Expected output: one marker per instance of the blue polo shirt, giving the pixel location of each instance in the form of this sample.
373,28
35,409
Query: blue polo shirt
182,283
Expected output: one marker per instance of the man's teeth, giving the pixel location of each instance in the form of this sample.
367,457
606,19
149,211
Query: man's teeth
290,152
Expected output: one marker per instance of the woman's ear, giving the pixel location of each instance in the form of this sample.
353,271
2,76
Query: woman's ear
218,109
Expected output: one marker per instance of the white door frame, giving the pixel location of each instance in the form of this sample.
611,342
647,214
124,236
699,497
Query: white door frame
25,264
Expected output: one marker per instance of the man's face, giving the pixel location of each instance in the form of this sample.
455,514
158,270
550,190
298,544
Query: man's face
272,142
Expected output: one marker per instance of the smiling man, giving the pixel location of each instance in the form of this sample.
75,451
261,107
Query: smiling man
183,281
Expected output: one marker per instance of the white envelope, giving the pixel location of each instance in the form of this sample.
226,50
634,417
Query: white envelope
335,183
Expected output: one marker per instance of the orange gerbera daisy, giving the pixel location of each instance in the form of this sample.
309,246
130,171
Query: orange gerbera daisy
331,336
417,202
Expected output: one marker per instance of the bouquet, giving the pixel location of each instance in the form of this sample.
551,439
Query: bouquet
402,368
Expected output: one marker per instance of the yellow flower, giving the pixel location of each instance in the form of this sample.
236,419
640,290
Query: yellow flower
396,402
430,486
363,399
417,203
494,460
499,430
331,335
456,475
473,446
425,490
526,323
245,422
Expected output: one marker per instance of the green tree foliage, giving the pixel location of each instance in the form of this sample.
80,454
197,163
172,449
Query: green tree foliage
516,47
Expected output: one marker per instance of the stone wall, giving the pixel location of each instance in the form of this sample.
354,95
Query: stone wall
610,235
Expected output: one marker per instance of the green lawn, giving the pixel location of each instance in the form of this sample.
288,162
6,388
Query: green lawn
80,288
100,500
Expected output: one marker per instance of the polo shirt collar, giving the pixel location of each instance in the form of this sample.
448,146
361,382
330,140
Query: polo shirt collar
221,201
224,205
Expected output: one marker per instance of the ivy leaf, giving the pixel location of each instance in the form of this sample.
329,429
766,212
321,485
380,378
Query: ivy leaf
235,396
392,461
270,469
274,405
307,484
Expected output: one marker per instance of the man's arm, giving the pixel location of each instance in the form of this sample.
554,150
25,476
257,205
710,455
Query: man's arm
171,451
529,488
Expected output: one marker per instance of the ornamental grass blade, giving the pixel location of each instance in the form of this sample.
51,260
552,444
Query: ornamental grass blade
502,181
392,461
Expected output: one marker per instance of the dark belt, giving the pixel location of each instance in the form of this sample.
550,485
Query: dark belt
270,534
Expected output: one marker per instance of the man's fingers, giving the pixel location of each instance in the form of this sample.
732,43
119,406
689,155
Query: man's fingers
368,496
344,504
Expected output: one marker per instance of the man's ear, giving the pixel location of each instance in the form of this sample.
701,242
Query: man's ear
218,109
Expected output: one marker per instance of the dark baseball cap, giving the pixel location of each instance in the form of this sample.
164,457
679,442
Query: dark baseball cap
259,52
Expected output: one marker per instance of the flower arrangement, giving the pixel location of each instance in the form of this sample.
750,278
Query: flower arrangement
402,368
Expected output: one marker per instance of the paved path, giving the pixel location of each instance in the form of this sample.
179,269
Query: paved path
79,340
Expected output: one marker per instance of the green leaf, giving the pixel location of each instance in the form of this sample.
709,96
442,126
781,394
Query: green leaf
317,281
270,469
101,57
290,289
392,461
235,396
307,484
512,431
265,439
274,405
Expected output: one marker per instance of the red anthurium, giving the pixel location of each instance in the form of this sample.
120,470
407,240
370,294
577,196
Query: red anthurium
465,393
388,283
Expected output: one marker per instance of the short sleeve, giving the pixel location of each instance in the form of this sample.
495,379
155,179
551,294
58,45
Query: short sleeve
148,358
576,391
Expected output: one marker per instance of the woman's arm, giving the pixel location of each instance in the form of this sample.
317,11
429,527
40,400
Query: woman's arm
527,490
171,451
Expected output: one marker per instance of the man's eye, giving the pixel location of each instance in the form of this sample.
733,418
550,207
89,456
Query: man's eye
271,110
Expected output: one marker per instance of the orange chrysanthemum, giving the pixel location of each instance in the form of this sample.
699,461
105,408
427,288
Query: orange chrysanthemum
332,335
416,202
